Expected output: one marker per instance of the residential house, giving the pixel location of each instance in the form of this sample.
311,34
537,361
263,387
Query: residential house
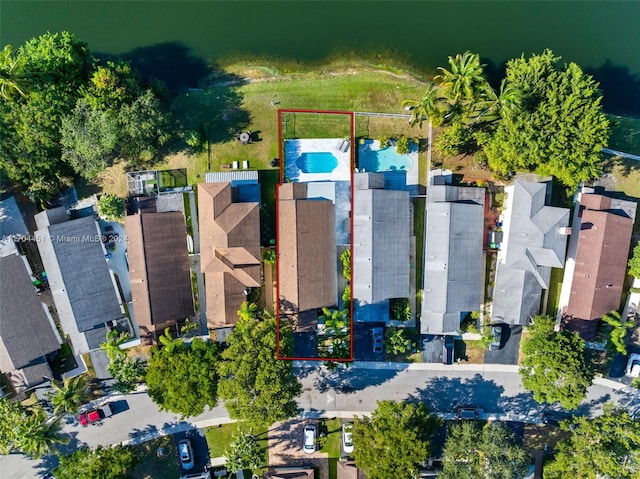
381,242
307,262
159,272
229,250
604,226
534,241
453,258
83,288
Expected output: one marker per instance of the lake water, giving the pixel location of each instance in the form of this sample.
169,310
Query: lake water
601,36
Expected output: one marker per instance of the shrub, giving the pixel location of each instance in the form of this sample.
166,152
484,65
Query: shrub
269,256
346,264
192,138
402,146
384,141
454,140
400,309
111,208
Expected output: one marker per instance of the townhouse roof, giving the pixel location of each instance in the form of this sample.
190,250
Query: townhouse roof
534,241
307,263
454,226
159,270
381,229
80,281
606,226
229,250
26,333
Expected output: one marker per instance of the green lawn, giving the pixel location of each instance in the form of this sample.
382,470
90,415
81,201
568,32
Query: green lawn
332,428
555,285
220,437
153,467
625,134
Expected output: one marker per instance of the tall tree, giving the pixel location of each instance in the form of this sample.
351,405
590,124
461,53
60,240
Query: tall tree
553,364
182,378
427,107
111,208
605,447
69,394
113,342
244,453
110,462
464,81
257,387
13,82
394,440
476,451
559,127
618,331
30,152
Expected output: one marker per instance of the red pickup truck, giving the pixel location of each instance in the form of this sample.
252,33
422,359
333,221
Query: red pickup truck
95,415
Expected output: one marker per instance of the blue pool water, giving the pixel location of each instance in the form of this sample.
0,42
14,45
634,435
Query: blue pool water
386,159
317,162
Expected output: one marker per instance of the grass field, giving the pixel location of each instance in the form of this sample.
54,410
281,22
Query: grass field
331,446
220,437
220,112
555,285
625,134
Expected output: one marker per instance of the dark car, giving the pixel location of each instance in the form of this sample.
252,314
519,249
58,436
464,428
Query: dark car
469,413
377,334
554,418
448,344
496,333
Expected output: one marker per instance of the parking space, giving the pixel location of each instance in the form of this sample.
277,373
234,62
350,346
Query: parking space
509,347
200,449
285,447
431,348
363,341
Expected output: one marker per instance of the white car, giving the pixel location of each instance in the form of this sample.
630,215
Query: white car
347,437
309,439
633,366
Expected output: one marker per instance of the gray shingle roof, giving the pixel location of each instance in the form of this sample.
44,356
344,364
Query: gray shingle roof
26,333
453,257
533,244
381,227
73,257
11,221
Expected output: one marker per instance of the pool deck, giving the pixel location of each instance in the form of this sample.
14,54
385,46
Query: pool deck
293,149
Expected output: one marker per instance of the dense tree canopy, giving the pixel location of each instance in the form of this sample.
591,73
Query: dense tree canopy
113,462
182,378
395,440
554,367
634,262
605,447
244,453
27,431
559,127
111,208
255,386
61,112
476,451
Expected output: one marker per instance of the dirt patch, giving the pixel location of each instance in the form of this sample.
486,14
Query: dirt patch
285,448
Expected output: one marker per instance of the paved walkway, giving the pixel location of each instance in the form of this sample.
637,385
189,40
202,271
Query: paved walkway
621,153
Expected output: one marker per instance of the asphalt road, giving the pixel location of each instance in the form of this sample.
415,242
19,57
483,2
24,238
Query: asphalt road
342,394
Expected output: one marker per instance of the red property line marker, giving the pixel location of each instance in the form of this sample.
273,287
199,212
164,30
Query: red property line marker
351,116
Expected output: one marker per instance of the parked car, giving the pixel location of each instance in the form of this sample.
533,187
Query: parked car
347,437
469,413
448,344
633,366
185,451
377,334
496,332
95,415
309,445
554,418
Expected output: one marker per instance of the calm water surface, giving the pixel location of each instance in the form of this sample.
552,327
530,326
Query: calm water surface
601,36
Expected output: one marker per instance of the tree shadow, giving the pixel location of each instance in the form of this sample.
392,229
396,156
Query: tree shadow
445,394
351,380
621,88
170,62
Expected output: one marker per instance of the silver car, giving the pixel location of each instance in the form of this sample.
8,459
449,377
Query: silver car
309,445
185,451
377,334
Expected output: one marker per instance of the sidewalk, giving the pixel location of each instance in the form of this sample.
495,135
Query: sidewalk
391,366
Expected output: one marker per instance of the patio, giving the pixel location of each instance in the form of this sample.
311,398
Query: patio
338,147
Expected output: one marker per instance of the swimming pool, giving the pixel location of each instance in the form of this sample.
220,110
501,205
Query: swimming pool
317,162
386,159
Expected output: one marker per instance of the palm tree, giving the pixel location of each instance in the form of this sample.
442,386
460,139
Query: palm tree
112,345
619,330
39,435
69,394
247,310
12,81
491,107
426,107
170,344
465,79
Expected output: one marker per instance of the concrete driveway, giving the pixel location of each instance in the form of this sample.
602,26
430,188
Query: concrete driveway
285,447
200,449
510,347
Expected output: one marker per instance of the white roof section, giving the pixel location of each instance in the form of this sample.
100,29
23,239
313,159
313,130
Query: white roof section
11,221
231,176
534,242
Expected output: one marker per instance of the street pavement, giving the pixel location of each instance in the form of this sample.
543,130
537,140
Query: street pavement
495,388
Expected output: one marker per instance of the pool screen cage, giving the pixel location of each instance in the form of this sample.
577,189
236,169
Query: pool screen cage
315,124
